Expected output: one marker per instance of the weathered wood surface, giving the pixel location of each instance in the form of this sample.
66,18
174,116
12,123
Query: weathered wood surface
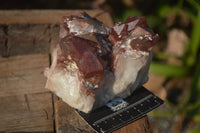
26,37
47,16
26,113
140,126
68,121
23,74
32,31
25,105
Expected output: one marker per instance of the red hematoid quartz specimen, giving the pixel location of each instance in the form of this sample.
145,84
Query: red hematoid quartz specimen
93,63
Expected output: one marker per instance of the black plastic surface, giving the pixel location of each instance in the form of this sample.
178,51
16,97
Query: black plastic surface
104,120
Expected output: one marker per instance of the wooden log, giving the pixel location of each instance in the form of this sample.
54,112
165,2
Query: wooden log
34,31
68,121
54,33
140,126
3,48
26,113
3,39
25,105
47,16
23,74
26,39
25,47
27,31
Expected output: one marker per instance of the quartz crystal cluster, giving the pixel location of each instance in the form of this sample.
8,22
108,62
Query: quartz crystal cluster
93,63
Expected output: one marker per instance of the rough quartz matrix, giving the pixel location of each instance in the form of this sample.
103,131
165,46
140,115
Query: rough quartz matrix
93,63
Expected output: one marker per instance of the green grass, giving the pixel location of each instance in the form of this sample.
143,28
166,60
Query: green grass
168,70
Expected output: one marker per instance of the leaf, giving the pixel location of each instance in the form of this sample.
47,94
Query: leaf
153,21
195,130
163,55
166,10
189,13
195,88
194,4
195,36
168,70
196,118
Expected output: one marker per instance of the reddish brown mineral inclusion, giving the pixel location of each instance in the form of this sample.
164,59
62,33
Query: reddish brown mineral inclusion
121,30
82,51
90,65
134,29
75,47
132,22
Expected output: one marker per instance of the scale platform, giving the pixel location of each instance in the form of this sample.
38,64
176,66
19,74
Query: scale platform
121,112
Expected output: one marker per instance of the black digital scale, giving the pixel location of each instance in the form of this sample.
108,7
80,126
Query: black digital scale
121,112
